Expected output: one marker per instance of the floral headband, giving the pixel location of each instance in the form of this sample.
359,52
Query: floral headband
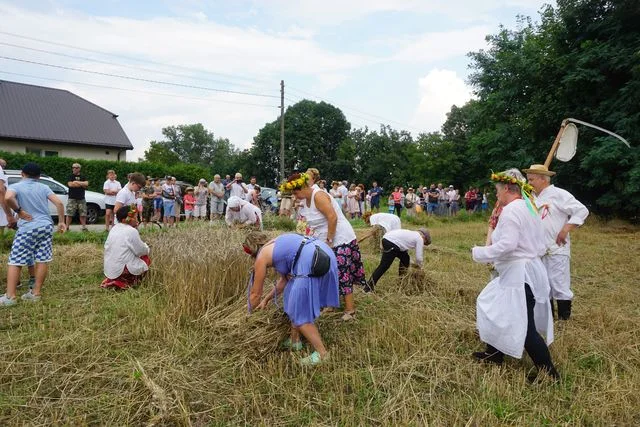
296,182
525,188
131,214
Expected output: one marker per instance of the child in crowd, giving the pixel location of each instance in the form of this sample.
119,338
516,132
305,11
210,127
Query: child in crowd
189,203
139,205
391,204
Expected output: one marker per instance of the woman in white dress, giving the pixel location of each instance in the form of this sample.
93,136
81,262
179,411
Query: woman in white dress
514,307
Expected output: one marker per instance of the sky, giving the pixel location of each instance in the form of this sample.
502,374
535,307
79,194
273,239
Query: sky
401,63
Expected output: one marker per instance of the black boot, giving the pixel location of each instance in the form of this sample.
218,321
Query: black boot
553,308
490,355
564,309
369,286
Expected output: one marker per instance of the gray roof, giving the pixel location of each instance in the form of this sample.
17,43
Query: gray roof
40,113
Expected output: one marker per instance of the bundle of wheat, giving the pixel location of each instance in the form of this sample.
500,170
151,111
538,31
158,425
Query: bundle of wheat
416,281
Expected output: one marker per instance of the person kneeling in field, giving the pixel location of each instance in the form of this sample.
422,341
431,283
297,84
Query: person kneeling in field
33,242
308,275
126,256
243,214
396,244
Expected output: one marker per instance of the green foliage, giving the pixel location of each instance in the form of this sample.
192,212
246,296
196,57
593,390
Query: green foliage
59,168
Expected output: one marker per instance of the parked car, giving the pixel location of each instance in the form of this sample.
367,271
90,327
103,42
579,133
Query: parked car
95,201
269,198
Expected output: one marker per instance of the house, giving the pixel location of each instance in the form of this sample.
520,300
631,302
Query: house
55,122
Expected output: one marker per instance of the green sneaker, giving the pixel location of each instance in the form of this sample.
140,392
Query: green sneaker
5,301
313,359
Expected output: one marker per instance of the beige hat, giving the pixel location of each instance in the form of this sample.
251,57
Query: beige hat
539,170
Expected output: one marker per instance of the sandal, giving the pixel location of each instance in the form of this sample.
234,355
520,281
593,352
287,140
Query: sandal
314,359
349,315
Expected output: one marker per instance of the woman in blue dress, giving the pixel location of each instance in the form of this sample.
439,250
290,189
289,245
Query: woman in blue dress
303,295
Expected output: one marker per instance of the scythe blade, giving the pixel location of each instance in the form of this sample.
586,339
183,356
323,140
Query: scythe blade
602,130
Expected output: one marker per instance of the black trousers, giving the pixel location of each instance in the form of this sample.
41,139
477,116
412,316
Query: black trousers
389,253
534,343
397,208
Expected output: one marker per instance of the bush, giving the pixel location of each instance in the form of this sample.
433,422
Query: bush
59,169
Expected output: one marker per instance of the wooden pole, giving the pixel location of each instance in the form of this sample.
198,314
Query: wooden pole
282,130
554,147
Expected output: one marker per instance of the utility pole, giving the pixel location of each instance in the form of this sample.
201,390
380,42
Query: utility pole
282,177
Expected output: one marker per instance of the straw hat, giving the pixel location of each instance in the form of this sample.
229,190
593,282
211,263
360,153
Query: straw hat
539,170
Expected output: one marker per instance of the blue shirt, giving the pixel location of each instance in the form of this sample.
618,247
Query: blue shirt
33,198
375,193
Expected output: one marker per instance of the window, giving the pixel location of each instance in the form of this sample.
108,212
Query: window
35,151
56,188
14,179
50,154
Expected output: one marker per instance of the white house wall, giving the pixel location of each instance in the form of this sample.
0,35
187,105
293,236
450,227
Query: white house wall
79,152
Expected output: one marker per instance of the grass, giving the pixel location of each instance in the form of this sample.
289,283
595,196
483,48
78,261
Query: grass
181,349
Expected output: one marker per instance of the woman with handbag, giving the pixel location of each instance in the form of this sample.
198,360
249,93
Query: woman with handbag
308,276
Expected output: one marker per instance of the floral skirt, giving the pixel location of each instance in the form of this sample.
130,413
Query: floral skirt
350,268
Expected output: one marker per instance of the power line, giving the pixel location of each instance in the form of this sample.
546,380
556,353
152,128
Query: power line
128,58
292,89
148,70
137,90
137,78
359,125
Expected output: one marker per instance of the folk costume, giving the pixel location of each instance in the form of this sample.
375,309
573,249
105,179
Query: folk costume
513,309
247,215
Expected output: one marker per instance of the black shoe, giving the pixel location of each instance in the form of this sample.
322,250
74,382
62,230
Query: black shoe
564,309
486,357
369,286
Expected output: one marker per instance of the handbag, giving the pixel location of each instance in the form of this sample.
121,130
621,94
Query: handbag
320,263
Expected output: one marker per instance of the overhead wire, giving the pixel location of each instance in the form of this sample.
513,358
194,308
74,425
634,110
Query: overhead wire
137,78
191,69
138,90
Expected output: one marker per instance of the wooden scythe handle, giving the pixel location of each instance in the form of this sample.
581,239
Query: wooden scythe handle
554,147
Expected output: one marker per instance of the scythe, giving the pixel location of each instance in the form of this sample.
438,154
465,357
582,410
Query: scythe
565,145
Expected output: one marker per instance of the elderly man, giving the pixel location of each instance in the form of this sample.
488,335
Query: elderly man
126,256
77,184
216,190
560,213
242,213
237,188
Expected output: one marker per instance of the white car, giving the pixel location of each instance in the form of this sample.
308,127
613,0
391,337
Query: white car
95,201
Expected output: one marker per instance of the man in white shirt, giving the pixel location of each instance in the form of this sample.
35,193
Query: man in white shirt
560,213
250,187
127,195
396,244
237,188
111,187
344,192
6,216
242,213
126,256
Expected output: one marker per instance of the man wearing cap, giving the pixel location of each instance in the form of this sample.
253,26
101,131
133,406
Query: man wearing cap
200,193
237,188
33,242
242,213
396,244
560,213
77,184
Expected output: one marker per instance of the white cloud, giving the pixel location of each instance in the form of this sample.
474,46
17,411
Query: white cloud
439,90
438,46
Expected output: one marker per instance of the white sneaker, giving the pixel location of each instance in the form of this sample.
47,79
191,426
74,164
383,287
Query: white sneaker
29,296
5,301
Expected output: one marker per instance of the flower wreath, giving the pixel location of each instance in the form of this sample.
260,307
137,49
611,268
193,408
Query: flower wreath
295,182
525,188
131,214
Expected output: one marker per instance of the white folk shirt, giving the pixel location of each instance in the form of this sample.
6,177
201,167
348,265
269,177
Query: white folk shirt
248,214
387,221
405,240
317,223
124,247
111,186
501,307
556,208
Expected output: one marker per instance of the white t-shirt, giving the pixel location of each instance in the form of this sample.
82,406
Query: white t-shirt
126,196
124,247
238,190
111,186
405,240
3,216
387,221
319,226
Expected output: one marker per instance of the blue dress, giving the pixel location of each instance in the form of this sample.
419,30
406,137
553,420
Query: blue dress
305,296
